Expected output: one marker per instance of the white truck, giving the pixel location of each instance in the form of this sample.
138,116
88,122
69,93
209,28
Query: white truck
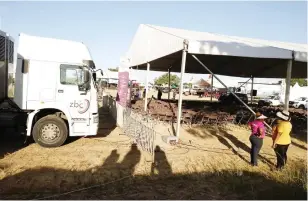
55,87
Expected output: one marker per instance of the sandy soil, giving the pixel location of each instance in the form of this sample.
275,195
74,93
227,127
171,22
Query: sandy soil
208,163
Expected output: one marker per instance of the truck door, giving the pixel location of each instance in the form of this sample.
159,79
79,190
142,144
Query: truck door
73,91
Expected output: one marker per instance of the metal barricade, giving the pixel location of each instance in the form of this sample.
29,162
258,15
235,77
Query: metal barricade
141,129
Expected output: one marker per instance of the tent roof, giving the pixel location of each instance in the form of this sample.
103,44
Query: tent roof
224,55
113,75
108,75
202,82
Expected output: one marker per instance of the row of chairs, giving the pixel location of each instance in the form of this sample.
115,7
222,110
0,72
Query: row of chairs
190,118
214,118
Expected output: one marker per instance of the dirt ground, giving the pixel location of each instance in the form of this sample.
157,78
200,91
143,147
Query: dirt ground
153,92
207,163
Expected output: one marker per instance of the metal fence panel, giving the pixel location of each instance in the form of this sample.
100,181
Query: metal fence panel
141,129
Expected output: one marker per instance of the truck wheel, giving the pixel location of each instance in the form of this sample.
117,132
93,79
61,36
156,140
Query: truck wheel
301,107
50,131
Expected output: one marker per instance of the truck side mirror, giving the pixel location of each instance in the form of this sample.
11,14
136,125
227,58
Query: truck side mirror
94,76
25,66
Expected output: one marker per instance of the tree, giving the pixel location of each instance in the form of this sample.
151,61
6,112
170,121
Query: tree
188,84
114,69
301,82
164,79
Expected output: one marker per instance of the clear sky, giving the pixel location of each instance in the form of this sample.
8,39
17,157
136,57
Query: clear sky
107,28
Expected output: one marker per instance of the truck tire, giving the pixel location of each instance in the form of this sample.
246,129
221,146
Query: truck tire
301,107
50,131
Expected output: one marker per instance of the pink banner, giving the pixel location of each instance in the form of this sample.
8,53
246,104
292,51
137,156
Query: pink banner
123,88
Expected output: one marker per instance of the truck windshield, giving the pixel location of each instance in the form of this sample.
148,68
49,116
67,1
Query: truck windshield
74,75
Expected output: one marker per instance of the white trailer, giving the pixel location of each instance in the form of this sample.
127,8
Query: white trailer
55,86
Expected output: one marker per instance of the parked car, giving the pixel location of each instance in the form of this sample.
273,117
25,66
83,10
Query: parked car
300,103
230,99
291,103
270,101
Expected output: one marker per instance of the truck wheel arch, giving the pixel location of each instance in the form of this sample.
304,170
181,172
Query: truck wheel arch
38,114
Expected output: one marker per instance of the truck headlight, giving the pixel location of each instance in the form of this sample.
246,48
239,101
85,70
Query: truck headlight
95,119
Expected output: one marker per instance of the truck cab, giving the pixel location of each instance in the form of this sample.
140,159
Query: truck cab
55,84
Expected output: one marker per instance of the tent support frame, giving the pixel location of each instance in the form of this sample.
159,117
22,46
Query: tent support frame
212,83
147,88
183,65
168,84
288,83
206,68
244,83
251,92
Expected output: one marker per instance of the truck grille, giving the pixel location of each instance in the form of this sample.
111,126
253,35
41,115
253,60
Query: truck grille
6,45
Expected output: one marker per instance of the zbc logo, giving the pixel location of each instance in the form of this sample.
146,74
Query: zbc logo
81,106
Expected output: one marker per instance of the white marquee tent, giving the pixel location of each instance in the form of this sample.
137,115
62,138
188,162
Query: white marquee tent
225,55
297,91
176,50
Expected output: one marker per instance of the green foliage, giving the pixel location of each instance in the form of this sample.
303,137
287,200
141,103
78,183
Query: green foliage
188,84
114,69
301,82
164,79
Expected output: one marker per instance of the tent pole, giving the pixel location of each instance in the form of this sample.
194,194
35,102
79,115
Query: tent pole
227,87
147,88
168,84
185,43
244,83
288,83
206,68
212,82
251,93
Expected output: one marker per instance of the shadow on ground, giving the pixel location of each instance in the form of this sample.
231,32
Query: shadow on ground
161,183
227,140
106,123
10,142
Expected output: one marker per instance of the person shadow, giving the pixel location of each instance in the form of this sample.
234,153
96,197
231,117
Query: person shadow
130,161
126,167
223,141
161,166
112,159
243,146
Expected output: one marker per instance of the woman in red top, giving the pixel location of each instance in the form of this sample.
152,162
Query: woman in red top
256,137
